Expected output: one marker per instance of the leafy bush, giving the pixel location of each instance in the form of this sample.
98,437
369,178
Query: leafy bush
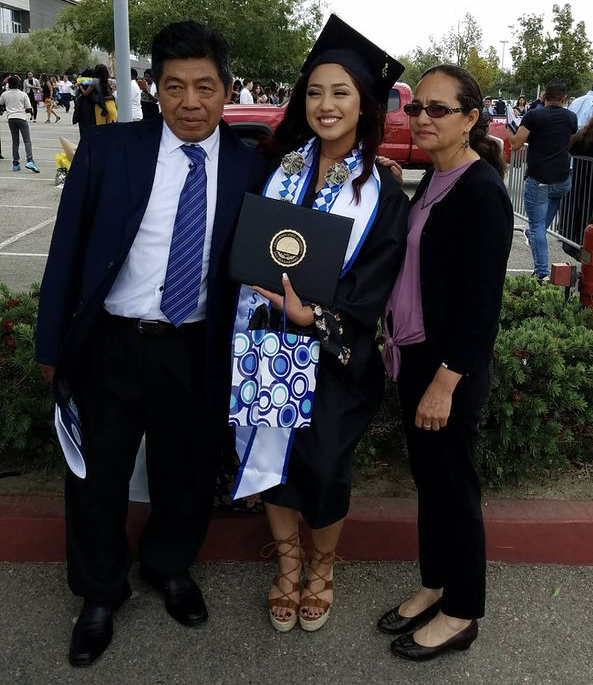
26,403
540,413
539,416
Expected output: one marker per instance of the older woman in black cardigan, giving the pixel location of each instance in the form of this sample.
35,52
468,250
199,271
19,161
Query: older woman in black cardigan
441,323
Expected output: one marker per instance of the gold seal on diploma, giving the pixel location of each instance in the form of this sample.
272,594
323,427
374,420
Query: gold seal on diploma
288,248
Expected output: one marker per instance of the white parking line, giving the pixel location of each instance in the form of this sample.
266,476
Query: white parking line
27,178
22,254
517,271
12,240
23,207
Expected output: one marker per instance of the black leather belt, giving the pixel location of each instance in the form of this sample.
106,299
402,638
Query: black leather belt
151,326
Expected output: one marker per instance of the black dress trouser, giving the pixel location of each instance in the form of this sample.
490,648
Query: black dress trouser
128,383
450,527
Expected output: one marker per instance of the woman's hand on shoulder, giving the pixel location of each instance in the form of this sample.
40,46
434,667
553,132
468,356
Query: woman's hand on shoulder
391,164
295,310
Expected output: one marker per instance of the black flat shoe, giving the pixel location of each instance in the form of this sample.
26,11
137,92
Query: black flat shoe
406,647
183,598
93,630
393,623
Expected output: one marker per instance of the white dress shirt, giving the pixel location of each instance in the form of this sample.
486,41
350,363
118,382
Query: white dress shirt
138,288
583,108
245,98
136,101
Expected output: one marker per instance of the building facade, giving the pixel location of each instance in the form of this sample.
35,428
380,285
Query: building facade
21,16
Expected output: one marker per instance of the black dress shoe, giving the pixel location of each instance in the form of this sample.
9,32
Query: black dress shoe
183,598
406,647
93,630
91,635
393,623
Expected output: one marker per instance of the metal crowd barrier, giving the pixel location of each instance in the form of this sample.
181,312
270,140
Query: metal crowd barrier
576,207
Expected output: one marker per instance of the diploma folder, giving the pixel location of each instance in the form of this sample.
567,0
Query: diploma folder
275,237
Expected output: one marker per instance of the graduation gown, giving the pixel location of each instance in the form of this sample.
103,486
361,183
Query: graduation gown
347,395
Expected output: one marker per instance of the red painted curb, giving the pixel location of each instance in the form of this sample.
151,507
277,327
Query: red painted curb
379,529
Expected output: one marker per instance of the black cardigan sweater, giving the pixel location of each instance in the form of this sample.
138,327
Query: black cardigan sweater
464,248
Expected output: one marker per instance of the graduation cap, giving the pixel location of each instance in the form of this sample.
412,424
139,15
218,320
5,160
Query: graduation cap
339,43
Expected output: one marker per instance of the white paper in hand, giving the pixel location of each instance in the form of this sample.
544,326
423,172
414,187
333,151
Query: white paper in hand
70,436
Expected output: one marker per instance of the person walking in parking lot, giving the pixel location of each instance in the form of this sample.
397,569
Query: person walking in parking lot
549,130
32,88
18,106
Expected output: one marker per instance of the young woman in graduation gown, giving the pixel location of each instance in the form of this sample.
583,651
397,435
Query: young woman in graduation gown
334,119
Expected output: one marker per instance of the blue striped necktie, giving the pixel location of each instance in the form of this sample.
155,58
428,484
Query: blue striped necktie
184,269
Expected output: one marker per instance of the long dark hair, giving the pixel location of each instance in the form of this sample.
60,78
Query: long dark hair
102,74
294,130
469,97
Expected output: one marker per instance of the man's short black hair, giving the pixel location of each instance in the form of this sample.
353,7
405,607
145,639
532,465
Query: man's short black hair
555,91
246,81
13,82
190,40
134,74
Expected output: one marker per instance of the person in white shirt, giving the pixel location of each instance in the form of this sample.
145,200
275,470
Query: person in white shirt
246,98
65,88
32,88
17,106
583,108
136,98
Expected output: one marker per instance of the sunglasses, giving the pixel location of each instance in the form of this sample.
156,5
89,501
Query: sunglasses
433,111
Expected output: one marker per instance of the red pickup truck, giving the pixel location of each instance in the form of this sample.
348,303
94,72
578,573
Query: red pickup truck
251,121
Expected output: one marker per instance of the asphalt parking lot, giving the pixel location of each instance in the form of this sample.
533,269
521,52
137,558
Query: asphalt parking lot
29,202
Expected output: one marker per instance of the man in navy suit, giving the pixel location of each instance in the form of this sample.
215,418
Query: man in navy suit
135,323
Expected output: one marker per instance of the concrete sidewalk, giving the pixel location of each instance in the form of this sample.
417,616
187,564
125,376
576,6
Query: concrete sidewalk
529,636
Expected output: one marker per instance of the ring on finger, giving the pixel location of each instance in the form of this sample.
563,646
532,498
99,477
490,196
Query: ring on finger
427,426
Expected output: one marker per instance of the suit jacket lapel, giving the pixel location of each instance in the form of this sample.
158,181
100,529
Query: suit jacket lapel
142,153
229,173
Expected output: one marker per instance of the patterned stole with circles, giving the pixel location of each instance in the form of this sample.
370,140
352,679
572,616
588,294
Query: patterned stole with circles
265,452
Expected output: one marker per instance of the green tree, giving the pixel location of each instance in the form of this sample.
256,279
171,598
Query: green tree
460,39
454,47
48,50
484,69
566,54
268,38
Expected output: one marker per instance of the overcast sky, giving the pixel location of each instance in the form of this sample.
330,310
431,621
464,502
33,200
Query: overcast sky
399,27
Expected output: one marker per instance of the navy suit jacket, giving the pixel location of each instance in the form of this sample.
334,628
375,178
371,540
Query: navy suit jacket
102,206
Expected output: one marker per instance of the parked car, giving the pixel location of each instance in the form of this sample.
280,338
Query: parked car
253,121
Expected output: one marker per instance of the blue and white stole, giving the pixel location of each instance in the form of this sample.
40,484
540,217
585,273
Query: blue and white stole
264,452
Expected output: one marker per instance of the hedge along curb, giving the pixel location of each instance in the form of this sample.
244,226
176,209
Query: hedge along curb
377,529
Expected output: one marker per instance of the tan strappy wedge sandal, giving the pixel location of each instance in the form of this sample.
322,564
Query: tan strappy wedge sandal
314,601
284,601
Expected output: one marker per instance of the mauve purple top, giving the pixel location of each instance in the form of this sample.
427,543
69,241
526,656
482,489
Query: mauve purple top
405,302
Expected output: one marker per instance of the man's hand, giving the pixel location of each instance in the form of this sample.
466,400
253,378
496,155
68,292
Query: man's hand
396,169
47,372
301,316
435,405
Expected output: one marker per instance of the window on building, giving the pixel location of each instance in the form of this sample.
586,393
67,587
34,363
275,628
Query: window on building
11,21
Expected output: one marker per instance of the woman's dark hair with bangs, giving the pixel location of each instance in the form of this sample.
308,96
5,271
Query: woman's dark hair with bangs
469,97
293,131
190,40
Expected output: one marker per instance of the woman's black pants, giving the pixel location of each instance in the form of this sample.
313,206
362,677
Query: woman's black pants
450,526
